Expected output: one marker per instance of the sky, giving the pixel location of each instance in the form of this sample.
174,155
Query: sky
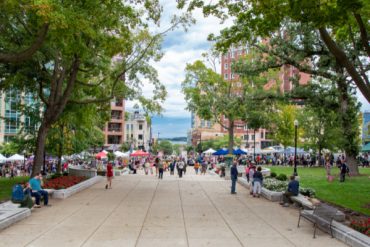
180,48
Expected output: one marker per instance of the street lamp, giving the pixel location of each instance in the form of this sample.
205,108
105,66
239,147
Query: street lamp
295,147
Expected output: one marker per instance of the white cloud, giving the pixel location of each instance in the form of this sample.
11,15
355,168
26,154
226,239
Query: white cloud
180,48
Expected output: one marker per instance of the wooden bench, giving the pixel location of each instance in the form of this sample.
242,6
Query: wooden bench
322,216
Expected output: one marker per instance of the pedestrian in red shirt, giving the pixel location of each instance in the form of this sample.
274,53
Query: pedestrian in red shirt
109,176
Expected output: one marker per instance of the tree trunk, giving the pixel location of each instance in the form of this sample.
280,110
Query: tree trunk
60,151
231,136
40,146
348,127
320,154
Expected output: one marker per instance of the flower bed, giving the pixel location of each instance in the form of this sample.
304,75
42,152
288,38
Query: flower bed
281,186
63,182
275,185
362,226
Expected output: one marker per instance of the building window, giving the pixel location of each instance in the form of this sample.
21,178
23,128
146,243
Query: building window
132,127
246,127
246,137
127,127
252,137
140,126
226,76
114,139
262,134
226,65
140,137
232,76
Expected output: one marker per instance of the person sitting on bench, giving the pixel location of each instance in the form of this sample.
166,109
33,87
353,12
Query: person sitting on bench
37,191
293,190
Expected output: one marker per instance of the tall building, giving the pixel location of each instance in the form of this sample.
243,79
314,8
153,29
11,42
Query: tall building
13,115
366,128
138,131
114,130
249,137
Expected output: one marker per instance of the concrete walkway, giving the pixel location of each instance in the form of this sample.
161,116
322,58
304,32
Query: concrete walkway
144,211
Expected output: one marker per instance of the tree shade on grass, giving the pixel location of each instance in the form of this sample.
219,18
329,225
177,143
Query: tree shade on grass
353,193
6,185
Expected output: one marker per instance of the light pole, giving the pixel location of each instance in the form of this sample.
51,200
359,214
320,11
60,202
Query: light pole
295,147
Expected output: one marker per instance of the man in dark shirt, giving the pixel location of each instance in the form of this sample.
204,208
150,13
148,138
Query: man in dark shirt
234,177
293,190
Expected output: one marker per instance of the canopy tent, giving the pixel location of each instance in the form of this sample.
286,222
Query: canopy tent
209,151
269,150
2,158
114,147
120,154
222,151
239,152
15,157
366,148
101,155
291,150
139,153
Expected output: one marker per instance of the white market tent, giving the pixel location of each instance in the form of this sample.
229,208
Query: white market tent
15,157
2,158
209,151
120,154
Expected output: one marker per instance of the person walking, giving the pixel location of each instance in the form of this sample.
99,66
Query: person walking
109,176
257,182
343,170
160,166
252,170
180,167
146,166
172,167
196,167
234,177
204,167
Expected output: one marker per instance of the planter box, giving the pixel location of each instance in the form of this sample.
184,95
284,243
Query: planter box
268,194
344,233
81,172
11,213
272,195
65,193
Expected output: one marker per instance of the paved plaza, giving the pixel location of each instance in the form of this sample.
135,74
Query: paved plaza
144,211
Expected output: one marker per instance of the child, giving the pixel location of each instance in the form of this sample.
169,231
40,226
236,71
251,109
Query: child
257,180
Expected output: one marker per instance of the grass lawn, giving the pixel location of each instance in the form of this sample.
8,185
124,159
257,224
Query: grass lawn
354,193
6,185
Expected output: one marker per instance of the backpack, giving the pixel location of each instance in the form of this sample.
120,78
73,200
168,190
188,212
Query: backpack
17,194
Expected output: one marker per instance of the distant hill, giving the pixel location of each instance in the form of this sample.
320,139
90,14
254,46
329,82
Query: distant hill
175,139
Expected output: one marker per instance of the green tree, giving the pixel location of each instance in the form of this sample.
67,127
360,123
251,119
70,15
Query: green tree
10,148
165,146
284,124
341,25
299,45
210,97
74,64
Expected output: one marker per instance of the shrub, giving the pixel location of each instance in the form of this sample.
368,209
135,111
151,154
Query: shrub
282,177
273,174
56,175
307,192
275,185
